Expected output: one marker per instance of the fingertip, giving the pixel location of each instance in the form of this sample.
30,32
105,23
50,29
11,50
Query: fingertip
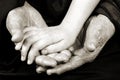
30,59
29,62
22,58
50,72
13,38
18,46
40,69
17,38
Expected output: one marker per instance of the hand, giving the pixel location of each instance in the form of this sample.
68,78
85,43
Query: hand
39,38
99,31
20,18
45,62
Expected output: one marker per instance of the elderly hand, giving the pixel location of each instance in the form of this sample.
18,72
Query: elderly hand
20,18
99,31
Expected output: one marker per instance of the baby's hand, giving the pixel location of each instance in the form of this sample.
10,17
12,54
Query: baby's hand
49,40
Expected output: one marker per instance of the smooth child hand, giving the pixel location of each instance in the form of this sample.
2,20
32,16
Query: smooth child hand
48,39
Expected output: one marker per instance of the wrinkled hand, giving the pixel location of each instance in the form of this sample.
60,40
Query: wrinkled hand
99,31
20,18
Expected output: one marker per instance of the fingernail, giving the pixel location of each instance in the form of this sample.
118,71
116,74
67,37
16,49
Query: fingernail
29,62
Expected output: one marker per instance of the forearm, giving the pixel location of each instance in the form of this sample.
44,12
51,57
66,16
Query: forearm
77,14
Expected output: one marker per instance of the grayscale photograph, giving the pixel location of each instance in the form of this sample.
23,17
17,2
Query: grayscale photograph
60,39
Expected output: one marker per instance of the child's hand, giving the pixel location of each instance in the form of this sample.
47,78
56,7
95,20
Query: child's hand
50,39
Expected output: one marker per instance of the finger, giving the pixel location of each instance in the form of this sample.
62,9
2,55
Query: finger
40,69
71,49
72,64
17,36
32,55
75,46
30,33
37,46
27,43
18,46
52,55
63,56
102,29
24,51
56,47
41,44
91,38
45,61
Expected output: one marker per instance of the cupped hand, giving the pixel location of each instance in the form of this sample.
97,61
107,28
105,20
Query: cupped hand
20,18
99,31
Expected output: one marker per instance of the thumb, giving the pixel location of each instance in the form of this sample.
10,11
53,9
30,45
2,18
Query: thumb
99,31
17,36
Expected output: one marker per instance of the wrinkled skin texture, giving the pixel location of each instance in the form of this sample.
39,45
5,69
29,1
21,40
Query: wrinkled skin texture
98,33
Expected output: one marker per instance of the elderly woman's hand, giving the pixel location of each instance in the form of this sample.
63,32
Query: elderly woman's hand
20,18
99,31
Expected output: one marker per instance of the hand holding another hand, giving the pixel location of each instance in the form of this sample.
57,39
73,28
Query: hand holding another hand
99,31
36,36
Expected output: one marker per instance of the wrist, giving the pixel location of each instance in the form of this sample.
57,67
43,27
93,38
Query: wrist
69,32
72,28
